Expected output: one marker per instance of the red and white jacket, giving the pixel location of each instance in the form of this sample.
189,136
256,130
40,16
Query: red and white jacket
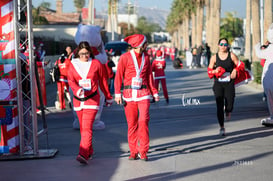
126,71
96,75
158,67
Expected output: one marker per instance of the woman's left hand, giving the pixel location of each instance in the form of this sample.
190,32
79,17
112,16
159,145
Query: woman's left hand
233,74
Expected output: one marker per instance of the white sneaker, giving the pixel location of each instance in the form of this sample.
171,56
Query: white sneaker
267,121
98,125
57,105
222,132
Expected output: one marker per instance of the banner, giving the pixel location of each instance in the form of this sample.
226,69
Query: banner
8,106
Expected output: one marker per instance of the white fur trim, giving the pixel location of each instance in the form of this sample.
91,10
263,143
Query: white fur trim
86,107
110,101
117,95
161,77
137,99
144,40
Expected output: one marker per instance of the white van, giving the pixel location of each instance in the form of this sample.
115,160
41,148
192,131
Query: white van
237,46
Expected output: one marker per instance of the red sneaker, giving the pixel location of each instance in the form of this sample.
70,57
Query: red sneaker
133,156
143,157
82,160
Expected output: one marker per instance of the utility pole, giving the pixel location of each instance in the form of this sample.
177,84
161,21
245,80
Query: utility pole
129,5
262,19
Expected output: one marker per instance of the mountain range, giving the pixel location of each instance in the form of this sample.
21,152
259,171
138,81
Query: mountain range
153,15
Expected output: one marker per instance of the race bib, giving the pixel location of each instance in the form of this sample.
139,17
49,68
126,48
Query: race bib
85,84
136,83
225,77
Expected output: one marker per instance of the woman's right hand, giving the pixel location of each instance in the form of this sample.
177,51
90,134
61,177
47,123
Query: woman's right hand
118,100
217,70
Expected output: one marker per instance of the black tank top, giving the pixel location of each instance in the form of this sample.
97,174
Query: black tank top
227,64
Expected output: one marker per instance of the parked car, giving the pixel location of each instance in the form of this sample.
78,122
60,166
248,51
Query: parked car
117,45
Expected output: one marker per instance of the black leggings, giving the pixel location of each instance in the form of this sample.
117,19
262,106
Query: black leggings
224,93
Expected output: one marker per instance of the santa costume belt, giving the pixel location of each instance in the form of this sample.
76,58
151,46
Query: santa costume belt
130,87
87,97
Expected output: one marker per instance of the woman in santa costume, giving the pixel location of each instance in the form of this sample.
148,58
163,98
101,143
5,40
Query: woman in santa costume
134,70
62,84
86,74
158,67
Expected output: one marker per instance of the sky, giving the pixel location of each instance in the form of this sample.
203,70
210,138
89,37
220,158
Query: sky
237,6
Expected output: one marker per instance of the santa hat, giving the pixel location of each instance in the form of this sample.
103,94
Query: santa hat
159,54
136,40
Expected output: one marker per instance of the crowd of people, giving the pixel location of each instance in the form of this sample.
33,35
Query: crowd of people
143,73
199,56
133,80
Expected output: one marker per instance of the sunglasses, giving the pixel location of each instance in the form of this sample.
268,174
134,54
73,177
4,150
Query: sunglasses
84,54
223,44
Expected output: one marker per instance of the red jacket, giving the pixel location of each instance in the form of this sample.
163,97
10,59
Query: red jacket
97,76
63,67
158,67
126,71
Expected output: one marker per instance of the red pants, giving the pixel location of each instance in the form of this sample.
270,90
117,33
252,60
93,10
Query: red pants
164,87
61,85
137,115
172,57
86,120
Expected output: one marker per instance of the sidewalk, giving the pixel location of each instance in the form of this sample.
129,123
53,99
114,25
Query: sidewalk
184,140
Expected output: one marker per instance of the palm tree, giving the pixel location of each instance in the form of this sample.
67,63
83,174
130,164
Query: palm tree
208,21
256,35
173,22
79,4
112,22
248,31
200,21
267,16
216,14
36,18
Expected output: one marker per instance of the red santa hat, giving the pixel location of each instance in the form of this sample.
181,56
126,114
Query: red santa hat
159,54
136,40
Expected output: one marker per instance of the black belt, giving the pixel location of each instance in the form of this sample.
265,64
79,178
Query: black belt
87,97
130,87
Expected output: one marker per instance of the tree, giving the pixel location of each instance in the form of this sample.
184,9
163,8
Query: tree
45,5
215,25
79,4
178,22
267,16
248,31
256,35
37,19
124,29
231,27
146,28
112,22
199,21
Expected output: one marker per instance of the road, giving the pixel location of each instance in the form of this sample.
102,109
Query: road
184,140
